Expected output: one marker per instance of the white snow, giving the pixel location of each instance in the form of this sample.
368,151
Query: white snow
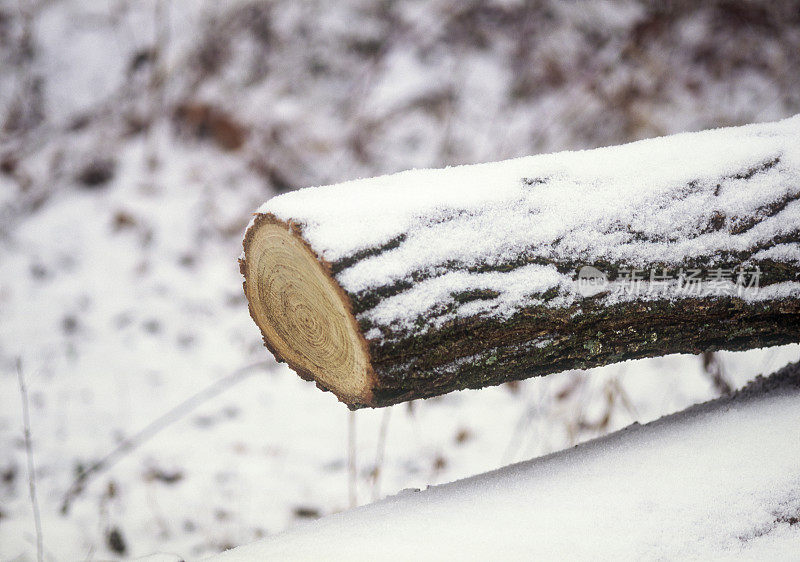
512,288
787,253
716,481
585,205
117,322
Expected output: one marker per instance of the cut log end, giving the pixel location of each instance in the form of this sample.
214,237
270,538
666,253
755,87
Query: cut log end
303,314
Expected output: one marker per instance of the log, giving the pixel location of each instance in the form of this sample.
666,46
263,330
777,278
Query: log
419,283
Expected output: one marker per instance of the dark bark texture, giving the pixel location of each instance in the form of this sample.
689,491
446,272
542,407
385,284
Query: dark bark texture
538,341
476,352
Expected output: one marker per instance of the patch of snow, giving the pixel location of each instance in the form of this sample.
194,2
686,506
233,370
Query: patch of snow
716,481
512,287
786,253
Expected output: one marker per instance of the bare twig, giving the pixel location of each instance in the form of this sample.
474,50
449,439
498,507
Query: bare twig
351,458
379,454
26,420
624,399
524,419
713,368
158,77
153,428
530,410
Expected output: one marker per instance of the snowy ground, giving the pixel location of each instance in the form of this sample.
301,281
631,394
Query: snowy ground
716,481
132,154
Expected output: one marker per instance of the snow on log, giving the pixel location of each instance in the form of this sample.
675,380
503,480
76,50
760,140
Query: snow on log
718,481
419,283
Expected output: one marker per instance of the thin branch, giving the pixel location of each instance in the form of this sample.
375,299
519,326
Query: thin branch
712,366
380,453
26,420
351,458
153,428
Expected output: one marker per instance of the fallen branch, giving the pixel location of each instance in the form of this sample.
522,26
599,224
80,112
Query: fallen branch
26,420
412,285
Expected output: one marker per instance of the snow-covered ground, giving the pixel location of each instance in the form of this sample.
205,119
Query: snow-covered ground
715,481
137,137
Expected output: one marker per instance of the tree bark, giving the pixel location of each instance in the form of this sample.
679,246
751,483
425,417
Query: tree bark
421,283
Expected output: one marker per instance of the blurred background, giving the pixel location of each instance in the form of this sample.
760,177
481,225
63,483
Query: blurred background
136,139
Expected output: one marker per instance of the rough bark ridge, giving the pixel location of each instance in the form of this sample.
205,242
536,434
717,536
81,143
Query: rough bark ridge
414,285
